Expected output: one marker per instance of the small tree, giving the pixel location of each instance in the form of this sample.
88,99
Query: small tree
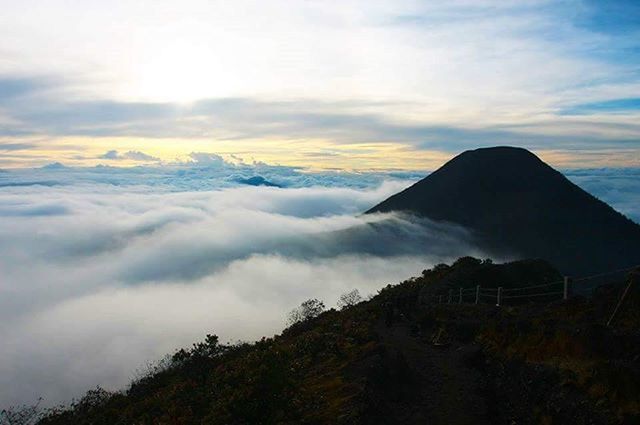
307,310
210,347
349,299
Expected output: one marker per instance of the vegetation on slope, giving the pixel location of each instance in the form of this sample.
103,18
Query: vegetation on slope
375,362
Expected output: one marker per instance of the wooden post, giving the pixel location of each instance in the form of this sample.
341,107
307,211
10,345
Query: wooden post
477,294
450,295
460,297
499,296
567,289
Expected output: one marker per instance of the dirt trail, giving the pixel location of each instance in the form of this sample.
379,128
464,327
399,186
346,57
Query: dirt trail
451,391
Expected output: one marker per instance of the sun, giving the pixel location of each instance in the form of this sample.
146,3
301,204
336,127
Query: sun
176,73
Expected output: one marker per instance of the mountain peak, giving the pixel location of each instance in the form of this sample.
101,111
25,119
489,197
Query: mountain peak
508,155
519,206
512,151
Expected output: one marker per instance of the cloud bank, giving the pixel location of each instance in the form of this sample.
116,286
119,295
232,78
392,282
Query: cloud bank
99,278
203,171
619,187
132,155
105,268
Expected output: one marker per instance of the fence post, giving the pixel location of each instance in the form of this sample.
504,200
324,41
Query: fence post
567,289
499,296
477,293
450,294
460,297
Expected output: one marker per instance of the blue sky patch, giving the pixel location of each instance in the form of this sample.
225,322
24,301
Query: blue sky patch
631,104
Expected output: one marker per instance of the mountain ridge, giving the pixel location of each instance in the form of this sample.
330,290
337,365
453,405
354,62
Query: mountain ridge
398,358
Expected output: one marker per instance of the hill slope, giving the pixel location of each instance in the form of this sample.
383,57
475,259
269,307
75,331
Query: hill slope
517,204
525,364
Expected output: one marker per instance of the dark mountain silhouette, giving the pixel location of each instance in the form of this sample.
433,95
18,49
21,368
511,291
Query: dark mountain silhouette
519,206
257,181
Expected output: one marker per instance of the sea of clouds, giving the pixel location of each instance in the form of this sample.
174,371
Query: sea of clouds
619,187
103,269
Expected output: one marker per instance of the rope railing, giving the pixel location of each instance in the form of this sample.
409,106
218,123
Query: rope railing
595,276
533,286
532,295
499,294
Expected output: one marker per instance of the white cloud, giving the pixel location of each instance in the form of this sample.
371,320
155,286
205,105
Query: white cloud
207,159
105,268
205,171
98,279
100,338
441,73
130,155
619,188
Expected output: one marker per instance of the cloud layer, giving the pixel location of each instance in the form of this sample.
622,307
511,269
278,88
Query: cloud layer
99,278
423,76
620,187
105,268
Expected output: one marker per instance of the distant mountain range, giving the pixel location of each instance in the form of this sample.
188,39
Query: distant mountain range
256,181
516,205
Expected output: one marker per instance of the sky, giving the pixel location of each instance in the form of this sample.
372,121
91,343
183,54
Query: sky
133,134
352,85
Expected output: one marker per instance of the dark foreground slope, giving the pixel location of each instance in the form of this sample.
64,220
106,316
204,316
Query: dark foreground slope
518,205
374,363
